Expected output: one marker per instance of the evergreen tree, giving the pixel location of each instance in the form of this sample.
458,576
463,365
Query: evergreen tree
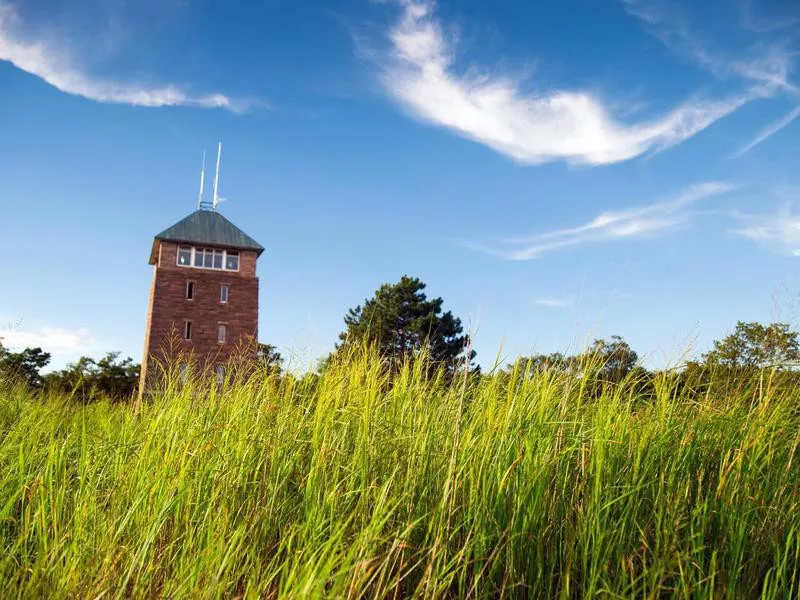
400,321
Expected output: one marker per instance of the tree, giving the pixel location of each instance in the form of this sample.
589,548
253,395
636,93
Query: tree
400,320
269,358
91,380
611,359
528,366
605,360
25,365
753,345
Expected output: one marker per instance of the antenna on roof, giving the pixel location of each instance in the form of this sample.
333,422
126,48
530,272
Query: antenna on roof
202,179
216,178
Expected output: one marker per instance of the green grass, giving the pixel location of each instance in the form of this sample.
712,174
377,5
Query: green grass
353,487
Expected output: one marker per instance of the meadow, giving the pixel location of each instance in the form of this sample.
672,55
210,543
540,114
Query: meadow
355,485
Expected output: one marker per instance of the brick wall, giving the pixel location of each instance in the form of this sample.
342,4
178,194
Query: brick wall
170,309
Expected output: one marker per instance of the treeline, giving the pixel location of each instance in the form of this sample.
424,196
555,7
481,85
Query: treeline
85,380
734,362
401,323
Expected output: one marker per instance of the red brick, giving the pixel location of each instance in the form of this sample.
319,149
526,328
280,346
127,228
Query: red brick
169,309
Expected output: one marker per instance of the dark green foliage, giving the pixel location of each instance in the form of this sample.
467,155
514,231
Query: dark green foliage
736,359
400,321
269,358
529,366
610,360
605,361
88,380
755,345
605,364
23,366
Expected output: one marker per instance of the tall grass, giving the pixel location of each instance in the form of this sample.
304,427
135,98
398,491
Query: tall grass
354,486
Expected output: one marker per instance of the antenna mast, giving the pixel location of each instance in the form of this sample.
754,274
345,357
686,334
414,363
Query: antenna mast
216,178
202,179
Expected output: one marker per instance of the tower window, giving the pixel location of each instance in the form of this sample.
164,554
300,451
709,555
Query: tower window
190,290
184,256
223,293
222,332
220,374
187,331
208,258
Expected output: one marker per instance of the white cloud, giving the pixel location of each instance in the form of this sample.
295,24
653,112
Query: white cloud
609,226
492,109
50,339
780,231
64,344
50,60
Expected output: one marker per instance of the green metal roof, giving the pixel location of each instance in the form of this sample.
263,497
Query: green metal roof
210,228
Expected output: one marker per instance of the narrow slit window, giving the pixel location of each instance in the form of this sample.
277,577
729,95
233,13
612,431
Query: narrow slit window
184,371
222,332
223,293
187,330
190,290
220,374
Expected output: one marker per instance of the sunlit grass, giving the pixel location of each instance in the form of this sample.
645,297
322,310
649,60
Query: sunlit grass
353,486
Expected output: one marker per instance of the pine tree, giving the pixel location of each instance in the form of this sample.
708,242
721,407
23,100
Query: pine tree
400,321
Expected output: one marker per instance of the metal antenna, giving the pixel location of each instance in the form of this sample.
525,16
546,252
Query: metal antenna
216,178
202,179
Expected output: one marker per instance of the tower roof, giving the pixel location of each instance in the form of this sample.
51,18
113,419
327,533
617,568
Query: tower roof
208,227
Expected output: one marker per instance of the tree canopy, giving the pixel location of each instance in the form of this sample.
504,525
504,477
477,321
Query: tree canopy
755,345
88,379
269,358
608,360
24,365
400,321
613,359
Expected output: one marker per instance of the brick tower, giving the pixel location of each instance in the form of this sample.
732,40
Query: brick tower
204,295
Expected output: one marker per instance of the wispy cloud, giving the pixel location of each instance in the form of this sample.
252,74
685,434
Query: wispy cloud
609,226
754,20
765,66
554,302
768,66
574,299
769,131
51,60
779,231
420,73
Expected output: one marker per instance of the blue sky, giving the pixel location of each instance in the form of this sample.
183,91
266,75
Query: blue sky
555,170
